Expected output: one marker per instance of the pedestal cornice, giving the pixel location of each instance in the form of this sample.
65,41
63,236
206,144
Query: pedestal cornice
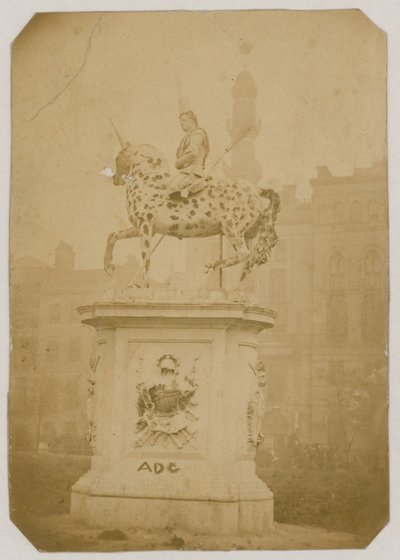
213,315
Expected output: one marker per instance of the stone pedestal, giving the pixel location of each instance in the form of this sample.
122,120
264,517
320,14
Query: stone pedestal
172,406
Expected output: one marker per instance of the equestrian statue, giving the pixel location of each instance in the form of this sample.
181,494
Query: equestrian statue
191,203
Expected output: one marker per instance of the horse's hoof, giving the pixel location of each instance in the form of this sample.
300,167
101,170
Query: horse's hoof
139,285
109,268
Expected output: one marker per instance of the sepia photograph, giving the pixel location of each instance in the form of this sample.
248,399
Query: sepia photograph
199,281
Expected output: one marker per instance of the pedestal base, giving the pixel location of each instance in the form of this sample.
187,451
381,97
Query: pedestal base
174,404
195,516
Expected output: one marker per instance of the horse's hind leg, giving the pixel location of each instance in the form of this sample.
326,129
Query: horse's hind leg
247,268
249,262
111,241
241,249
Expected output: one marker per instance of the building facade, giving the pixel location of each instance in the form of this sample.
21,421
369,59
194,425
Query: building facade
328,281
52,349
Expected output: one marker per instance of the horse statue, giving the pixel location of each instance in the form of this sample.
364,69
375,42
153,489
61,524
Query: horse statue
233,208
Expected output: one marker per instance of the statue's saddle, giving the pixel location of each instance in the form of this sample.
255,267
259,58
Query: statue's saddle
188,185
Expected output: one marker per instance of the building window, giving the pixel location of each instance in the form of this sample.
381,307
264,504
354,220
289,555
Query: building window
278,283
325,214
355,211
338,212
54,312
276,428
337,272
74,349
337,319
373,319
276,382
372,270
336,373
373,210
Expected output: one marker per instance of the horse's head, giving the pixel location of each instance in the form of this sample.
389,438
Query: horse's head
142,158
123,164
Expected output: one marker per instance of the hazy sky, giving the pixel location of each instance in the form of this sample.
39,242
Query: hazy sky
321,99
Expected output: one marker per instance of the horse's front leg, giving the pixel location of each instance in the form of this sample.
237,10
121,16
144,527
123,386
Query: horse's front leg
109,266
145,235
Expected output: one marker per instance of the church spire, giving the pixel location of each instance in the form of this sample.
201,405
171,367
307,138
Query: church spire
244,164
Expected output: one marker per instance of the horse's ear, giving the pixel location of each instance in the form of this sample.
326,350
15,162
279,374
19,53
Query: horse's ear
126,146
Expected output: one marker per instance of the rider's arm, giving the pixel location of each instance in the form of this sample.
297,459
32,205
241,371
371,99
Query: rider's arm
192,151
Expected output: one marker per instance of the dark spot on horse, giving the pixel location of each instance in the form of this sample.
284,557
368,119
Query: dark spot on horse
192,212
145,178
208,213
149,216
174,217
189,226
202,199
147,243
174,227
158,177
143,255
140,174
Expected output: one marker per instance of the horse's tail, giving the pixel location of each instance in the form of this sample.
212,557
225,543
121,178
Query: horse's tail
267,237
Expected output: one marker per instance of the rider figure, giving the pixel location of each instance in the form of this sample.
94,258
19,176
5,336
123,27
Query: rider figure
190,157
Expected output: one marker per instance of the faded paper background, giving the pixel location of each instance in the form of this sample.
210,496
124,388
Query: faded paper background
321,102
